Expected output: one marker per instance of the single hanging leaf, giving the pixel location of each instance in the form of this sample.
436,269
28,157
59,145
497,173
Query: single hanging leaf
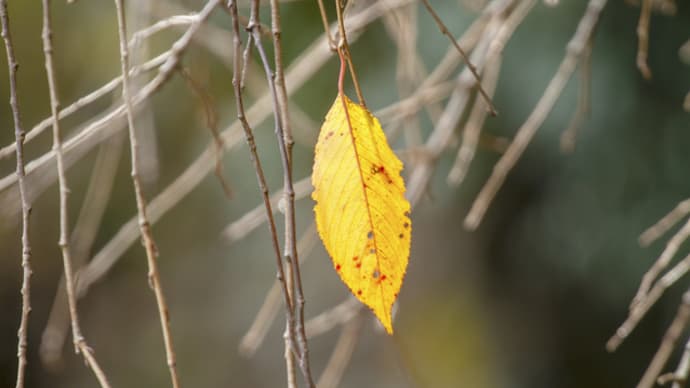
361,212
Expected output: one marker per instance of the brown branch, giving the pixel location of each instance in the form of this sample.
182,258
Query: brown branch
524,135
473,69
295,325
144,224
249,136
211,118
12,67
80,345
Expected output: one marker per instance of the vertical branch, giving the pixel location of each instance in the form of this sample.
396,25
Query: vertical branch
285,143
80,345
12,67
144,225
294,281
238,66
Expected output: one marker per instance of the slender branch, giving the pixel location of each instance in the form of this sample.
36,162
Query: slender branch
80,345
473,70
12,67
524,135
249,136
144,224
212,123
643,38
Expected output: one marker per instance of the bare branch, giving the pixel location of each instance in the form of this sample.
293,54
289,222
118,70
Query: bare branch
80,345
473,70
12,67
144,224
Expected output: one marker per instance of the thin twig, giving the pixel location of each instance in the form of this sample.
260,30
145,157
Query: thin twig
249,136
674,331
524,135
473,70
643,38
326,29
144,224
285,143
80,345
211,117
295,329
12,67
344,48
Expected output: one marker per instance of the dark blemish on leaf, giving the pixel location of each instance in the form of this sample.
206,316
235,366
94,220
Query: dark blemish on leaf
359,292
376,274
337,267
407,214
370,235
358,265
372,251
405,225
341,133
355,258
383,277
401,235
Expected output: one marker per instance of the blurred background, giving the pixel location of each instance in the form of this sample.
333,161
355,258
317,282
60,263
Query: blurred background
527,300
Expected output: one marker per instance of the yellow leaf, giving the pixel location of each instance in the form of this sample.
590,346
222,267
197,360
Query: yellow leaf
361,212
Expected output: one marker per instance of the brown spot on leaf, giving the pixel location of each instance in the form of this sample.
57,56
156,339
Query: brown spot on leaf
370,235
358,265
405,225
355,258
359,292
383,277
376,274
401,235
372,251
337,267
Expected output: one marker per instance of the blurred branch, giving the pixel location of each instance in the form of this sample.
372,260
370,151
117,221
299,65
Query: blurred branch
80,345
652,287
575,49
342,353
643,38
85,231
12,67
475,122
668,342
